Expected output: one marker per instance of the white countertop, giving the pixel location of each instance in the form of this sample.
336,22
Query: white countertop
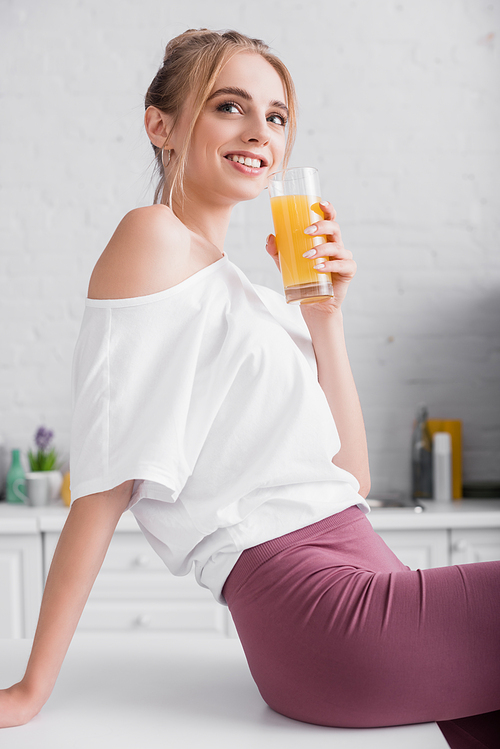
18,518
465,513
154,692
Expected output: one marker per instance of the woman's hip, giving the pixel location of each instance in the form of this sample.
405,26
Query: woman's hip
337,631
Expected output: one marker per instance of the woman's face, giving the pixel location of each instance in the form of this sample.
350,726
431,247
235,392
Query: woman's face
243,119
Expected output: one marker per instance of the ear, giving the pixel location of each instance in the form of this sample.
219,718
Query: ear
158,125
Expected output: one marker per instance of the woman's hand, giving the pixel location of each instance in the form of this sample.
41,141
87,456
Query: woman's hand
17,706
337,261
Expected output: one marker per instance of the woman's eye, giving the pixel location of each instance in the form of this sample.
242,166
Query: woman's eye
228,106
278,119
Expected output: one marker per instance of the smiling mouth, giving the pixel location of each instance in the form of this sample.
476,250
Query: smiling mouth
245,160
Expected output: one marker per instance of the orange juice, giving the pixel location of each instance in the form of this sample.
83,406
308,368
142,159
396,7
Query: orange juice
291,215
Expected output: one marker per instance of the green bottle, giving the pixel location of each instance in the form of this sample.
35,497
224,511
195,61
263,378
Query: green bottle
16,481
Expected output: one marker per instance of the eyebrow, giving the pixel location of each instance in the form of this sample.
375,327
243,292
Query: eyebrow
235,91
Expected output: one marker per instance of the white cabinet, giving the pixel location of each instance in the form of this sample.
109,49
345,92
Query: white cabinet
134,592
20,583
421,549
474,545
418,549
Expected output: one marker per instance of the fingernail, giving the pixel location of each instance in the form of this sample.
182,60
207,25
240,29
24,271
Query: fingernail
325,203
310,229
309,253
319,265
267,239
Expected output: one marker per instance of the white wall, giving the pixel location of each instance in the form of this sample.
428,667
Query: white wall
400,112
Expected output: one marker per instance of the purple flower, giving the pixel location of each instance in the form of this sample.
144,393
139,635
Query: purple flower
43,438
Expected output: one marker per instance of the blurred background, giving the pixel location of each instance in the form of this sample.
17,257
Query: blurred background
400,112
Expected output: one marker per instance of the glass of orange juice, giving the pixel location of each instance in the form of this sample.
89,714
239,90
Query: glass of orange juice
295,197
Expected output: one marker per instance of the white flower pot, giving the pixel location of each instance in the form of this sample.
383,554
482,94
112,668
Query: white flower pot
54,479
37,488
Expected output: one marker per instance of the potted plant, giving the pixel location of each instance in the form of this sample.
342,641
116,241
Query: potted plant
45,460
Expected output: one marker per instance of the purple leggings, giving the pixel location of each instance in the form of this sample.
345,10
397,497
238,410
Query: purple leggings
338,632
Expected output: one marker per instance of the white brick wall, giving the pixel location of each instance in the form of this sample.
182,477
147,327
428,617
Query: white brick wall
400,112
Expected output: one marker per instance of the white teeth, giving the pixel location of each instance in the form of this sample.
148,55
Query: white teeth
255,163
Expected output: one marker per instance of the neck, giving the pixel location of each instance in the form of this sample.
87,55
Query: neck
210,221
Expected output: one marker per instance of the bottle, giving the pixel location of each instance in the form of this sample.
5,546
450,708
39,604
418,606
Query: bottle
3,467
441,467
16,480
421,457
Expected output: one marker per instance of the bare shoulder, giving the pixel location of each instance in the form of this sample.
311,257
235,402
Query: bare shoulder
147,253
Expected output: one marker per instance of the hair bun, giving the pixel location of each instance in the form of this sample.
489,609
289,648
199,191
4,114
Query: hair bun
181,40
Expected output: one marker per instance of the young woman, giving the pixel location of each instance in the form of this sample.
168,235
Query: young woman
228,422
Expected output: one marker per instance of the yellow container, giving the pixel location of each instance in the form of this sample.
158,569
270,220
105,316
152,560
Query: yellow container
65,490
454,427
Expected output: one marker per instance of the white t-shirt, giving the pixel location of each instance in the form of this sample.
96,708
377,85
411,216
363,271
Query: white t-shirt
207,395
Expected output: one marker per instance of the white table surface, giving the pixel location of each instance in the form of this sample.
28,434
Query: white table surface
157,691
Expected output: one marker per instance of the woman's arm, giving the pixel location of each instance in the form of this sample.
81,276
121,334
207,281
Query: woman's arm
325,323
142,257
77,560
335,377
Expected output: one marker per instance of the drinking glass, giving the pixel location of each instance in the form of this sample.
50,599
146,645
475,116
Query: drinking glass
295,196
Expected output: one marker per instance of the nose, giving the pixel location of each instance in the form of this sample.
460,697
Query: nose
257,132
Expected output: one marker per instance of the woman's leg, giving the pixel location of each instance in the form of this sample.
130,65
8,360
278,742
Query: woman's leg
474,732
337,631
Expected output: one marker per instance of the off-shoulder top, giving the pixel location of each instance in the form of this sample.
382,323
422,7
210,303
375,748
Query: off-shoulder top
207,395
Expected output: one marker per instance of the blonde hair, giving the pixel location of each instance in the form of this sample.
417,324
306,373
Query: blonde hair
191,64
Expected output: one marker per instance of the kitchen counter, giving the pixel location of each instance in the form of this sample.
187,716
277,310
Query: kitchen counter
18,518
465,513
159,692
